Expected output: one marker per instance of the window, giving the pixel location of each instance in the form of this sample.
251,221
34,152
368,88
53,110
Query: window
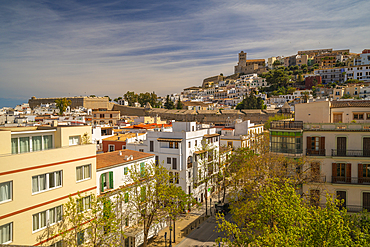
176,178
46,181
189,144
170,144
106,181
83,172
141,150
123,147
341,169
366,170
142,169
80,235
57,244
6,233
196,143
358,116
84,203
51,216
6,191
74,140
125,170
176,145
168,160
111,148
174,163
230,144
151,146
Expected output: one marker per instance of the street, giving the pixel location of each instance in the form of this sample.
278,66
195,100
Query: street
205,235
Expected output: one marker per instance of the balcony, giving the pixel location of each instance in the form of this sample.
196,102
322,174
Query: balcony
313,152
350,153
288,125
350,180
317,179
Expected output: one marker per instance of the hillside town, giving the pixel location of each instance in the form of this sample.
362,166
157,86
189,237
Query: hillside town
309,112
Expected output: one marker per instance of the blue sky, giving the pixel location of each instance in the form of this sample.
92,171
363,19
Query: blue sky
72,48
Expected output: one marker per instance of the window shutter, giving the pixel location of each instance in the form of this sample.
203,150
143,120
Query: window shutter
360,173
322,145
348,173
334,172
111,180
102,182
309,145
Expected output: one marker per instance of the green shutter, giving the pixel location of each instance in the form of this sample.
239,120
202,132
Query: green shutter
102,180
111,180
142,169
125,170
143,193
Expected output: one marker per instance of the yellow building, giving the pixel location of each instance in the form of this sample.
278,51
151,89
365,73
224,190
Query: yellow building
40,167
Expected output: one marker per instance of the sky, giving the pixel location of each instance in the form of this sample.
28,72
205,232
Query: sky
72,48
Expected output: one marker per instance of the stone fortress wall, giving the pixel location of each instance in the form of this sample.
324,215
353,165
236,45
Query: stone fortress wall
211,116
87,102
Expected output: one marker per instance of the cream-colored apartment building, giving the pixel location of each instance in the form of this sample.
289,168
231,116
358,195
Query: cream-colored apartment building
40,167
335,138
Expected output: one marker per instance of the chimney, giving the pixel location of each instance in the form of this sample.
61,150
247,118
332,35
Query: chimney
119,138
120,153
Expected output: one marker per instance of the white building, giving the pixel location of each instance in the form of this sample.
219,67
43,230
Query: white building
182,153
359,72
242,135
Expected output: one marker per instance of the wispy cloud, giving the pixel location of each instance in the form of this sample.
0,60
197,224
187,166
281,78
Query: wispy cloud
61,48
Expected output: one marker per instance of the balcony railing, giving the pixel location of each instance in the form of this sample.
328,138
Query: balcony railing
350,153
287,125
313,152
350,180
286,150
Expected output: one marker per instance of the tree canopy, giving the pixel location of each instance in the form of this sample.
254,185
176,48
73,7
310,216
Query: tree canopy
62,104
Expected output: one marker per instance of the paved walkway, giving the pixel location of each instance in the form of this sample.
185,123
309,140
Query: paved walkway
184,225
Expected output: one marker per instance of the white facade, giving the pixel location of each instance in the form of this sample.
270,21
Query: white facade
360,72
178,152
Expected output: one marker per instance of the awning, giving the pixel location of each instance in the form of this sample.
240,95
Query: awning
169,140
211,135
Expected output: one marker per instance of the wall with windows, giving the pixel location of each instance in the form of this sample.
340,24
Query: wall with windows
63,134
34,184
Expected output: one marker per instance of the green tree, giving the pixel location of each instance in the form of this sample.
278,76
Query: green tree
169,103
86,218
277,216
179,105
275,118
131,98
62,105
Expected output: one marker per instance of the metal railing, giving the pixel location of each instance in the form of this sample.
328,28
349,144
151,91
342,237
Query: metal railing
313,152
350,153
350,180
317,179
286,125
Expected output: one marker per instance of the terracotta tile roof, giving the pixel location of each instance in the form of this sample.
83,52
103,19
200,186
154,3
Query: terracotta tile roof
110,159
350,103
228,129
148,126
122,137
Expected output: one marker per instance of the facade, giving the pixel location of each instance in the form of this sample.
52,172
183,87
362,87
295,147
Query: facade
332,74
87,102
249,66
358,72
183,153
119,141
40,168
103,117
345,111
242,135
336,141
